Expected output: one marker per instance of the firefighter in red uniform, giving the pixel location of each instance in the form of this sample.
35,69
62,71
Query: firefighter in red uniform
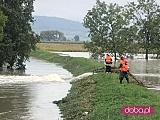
124,68
108,61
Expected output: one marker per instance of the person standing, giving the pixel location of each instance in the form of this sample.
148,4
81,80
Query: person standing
124,68
108,61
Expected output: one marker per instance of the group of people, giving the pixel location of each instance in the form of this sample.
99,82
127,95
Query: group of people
123,66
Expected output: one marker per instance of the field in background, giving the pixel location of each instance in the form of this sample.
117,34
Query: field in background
62,46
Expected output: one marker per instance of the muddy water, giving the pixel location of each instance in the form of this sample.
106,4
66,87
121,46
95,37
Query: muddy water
144,70
147,70
30,96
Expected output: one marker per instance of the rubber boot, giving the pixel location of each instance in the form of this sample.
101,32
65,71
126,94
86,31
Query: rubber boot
120,81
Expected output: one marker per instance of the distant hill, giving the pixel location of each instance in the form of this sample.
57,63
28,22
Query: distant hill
68,27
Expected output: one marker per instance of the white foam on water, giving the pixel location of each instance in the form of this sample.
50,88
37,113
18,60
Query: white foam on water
148,75
4,79
81,76
154,88
2,113
53,77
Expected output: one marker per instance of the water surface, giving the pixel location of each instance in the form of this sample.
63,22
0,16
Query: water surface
30,97
144,70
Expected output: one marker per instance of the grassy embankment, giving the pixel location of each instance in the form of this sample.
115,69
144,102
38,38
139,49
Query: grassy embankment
100,96
76,66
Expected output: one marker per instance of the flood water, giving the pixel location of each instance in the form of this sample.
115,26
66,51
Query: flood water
30,96
148,71
144,70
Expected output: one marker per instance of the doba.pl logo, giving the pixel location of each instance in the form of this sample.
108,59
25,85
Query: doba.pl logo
137,110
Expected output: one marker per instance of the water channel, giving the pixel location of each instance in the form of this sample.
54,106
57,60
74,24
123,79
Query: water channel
30,96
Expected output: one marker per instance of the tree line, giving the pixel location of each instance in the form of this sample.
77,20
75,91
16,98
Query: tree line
16,36
132,28
52,35
55,35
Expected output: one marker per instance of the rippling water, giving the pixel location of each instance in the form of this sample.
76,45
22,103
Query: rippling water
30,97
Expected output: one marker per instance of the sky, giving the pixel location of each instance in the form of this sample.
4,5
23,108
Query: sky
69,9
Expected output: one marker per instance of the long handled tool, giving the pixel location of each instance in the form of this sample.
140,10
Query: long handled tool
116,70
138,81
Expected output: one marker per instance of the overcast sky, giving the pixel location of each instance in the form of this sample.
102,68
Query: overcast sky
69,9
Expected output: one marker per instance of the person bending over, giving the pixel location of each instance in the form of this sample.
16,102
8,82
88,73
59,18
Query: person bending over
124,68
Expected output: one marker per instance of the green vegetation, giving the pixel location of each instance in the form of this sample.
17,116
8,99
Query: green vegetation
76,66
18,38
109,29
99,96
123,29
2,23
52,35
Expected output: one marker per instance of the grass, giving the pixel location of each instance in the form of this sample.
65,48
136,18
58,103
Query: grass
76,66
99,96
63,47
110,96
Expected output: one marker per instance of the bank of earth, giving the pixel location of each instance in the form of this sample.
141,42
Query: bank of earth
99,96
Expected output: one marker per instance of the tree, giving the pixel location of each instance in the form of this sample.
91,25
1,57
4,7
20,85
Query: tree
2,24
146,16
19,39
76,37
54,35
109,29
